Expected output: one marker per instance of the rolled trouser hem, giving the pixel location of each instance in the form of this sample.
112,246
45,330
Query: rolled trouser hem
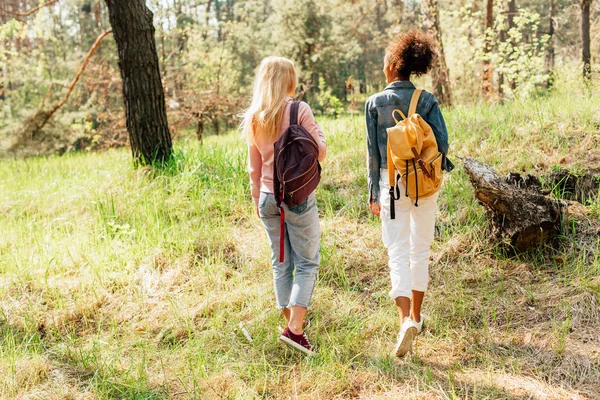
298,305
289,306
394,294
420,288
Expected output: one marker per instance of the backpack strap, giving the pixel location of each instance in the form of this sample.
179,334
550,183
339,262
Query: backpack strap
391,171
281,234
401,114
414,101
294,113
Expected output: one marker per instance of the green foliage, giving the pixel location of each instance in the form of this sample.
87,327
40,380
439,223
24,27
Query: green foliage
521,57
329,103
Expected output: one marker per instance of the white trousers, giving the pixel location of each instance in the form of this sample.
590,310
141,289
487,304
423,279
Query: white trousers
407,238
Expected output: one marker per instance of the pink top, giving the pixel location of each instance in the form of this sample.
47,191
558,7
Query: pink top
260,153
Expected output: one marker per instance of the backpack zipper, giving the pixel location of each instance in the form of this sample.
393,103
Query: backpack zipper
311,141
299,176
307,182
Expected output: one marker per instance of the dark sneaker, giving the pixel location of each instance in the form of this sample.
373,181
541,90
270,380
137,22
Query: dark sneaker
298,342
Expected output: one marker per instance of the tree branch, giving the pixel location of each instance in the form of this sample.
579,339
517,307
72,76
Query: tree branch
71,86
49,91
30,12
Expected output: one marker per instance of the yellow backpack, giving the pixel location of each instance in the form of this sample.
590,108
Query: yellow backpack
412,151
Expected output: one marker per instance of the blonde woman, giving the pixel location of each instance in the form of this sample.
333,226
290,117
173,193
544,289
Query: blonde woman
264,123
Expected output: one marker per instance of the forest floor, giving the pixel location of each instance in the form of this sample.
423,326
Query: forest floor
124,283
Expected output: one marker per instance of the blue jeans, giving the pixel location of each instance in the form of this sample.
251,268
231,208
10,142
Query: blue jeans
302,249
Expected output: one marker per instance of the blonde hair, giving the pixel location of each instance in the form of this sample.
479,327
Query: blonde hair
275,79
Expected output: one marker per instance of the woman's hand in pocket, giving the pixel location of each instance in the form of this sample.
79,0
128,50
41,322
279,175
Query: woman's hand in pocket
375,208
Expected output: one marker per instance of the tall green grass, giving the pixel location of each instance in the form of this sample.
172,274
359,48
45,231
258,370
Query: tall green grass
118,282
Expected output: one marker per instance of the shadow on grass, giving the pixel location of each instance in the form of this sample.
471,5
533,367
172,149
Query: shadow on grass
541,373
567,369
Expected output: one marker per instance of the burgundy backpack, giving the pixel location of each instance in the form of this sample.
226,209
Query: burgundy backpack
296,168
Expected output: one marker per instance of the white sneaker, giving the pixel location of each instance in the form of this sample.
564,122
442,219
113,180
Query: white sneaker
419,325
406,337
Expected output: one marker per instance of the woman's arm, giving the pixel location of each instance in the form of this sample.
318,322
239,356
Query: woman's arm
435,119
307,120
255,170
373,156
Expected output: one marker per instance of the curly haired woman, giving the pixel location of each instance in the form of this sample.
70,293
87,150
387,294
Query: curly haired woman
408,237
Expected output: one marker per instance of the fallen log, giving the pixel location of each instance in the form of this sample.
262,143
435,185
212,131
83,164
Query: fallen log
519,212
581,186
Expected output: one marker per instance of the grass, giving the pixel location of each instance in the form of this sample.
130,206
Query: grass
117,283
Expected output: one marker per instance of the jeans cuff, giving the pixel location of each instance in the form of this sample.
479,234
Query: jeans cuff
296,304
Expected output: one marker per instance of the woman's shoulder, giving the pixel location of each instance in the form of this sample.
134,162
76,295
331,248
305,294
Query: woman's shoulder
304,106
428,97
426,102
304,110
379,97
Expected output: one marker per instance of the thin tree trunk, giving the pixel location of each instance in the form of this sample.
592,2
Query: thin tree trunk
585,37
550,52
4,85
512,12
488,69
503,37
440,74
143,95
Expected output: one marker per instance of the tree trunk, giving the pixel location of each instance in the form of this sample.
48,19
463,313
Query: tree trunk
143,94
585,37
550,52
518,208
488,69
200,128
512,12
503,37
439,75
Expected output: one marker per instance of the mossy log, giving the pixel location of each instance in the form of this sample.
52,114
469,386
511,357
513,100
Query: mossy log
522,213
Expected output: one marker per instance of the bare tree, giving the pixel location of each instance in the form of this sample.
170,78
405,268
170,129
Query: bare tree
440,74
143,94
19,15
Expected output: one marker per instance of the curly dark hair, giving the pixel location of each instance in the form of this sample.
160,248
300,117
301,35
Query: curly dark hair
412,52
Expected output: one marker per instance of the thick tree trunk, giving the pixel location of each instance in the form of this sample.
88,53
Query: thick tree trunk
585,37
519,209
439,75
143,94
488,69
